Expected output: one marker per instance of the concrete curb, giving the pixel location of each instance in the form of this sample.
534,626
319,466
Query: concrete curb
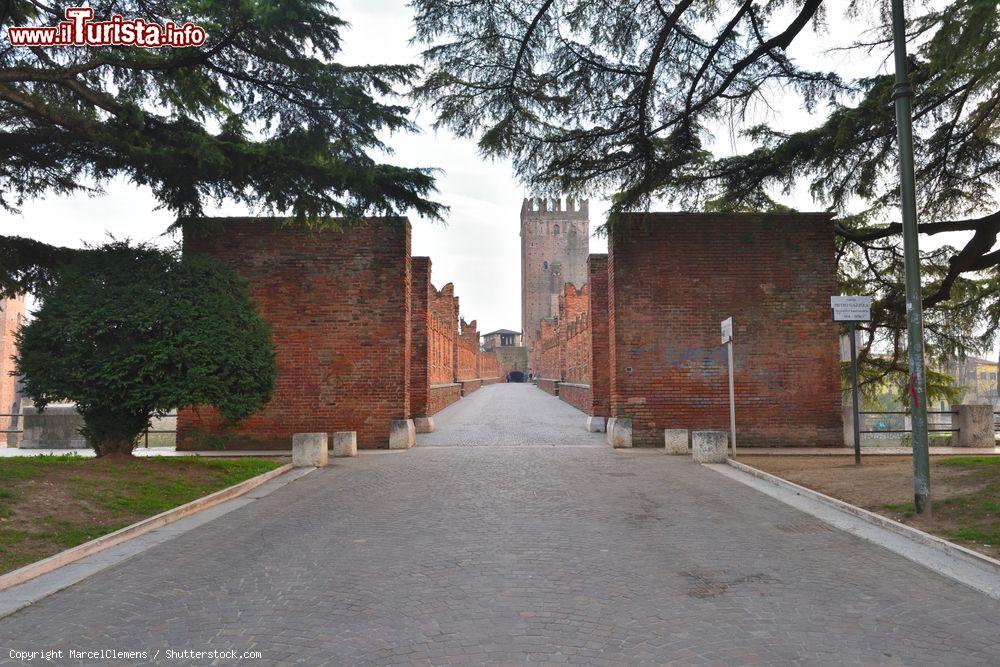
970,567
56,561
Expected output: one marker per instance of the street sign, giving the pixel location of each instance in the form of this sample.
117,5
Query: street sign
727,340
727,330
851,308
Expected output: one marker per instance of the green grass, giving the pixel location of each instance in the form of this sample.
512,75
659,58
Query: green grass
105,495
976,514
27,467
970,461
151,493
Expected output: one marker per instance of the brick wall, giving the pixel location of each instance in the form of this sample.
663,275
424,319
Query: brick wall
467,351
11,315
549,350
489,365
600,381
574,335
443,321
512,359
420,323
674,277
338,304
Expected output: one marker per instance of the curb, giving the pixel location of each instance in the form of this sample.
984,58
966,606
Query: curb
56,561
949,549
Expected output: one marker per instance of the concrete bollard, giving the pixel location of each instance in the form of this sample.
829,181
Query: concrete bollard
675,440
621,435
595,424
402,434
309,450
423,424
344,443
709,446
609,428
975,426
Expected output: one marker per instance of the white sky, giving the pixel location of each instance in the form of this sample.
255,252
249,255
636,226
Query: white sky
478,247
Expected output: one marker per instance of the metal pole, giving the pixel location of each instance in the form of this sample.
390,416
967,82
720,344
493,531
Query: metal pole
911,259
854,396
732,398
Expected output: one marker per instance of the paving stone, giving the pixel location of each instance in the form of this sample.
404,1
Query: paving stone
508,536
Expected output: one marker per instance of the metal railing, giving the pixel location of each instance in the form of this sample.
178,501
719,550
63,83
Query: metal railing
17,426
145,434
16,417
896,421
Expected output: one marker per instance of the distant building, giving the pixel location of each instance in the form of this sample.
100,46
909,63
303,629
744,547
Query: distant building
501,338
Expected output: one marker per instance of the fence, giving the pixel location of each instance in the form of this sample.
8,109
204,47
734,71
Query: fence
12,427
165,442
887,425
16,426
889,422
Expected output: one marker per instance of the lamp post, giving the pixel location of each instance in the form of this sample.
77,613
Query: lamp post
917,390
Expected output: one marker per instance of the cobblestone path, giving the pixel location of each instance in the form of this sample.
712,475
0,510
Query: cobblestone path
539,545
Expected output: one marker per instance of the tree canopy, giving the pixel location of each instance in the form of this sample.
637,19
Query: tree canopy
128,332
626,99
260,114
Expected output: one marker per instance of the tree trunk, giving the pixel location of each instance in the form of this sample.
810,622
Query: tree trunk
113,447
112,432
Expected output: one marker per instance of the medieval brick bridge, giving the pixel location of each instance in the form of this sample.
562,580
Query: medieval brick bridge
510,536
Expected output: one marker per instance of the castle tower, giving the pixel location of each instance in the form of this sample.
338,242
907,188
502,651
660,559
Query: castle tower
555,244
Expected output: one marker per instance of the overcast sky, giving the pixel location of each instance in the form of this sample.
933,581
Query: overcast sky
477,249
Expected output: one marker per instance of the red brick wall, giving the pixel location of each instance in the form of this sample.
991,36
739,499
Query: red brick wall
577,395
467,351
600,383
489,366
443,395
574,324
338,304
674,277
420,367
549,356
443,321
11,316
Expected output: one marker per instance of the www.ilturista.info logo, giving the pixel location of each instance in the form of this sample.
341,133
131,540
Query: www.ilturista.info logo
80,30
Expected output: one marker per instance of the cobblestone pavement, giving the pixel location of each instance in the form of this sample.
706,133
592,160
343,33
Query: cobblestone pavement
515,554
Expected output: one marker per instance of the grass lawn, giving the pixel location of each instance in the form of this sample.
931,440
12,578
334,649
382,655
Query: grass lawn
51,503
965,491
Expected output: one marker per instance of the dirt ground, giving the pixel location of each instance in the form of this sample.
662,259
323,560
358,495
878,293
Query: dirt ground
965,493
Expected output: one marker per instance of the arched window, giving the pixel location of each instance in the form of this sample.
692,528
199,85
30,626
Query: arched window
555,230
545,265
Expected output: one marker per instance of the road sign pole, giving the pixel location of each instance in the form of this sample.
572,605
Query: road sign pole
854,395
732,398
917,390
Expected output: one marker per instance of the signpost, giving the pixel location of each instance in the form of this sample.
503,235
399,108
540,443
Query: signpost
853,309
727,340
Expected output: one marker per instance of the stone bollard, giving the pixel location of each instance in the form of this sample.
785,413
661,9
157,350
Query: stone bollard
595,424
975,426
620,435
609,429
402,434
309,450
423,424
709,446
344,443
675,440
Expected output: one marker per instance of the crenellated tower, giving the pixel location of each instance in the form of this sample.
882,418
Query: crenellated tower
555,245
